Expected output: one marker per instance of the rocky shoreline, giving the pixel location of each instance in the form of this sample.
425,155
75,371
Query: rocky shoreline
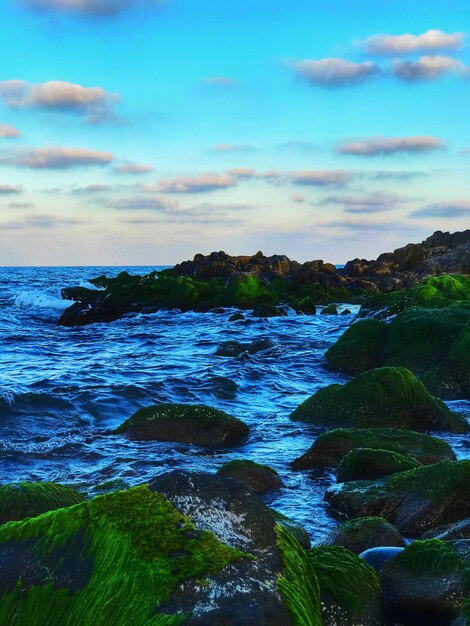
206,549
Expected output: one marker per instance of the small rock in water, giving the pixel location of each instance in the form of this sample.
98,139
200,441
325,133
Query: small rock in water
235,317
259,478
330,309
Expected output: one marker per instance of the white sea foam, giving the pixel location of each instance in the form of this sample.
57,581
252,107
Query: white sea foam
40,299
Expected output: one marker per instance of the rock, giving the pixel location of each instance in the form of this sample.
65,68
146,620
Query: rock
222,387
306,306
246,290
449,532
349,588
197,423
295,529
328,449
235,317
384,397
427,583
330,309
367,464
259,478
268,310
346,312
434,343
248,591
21,500
413,501
131,557
364,533
377,557
236,349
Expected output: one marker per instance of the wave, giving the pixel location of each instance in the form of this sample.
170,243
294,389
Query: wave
40,299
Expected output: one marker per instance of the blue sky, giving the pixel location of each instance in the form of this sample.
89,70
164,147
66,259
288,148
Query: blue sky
141,132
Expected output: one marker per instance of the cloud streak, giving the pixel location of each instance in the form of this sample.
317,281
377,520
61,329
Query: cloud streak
452,209
56,158
430,41
134,168
376,202
386,146
88,8
201,183
9,131
10,189
335,72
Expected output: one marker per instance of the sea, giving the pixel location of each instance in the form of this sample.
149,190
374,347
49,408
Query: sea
63,390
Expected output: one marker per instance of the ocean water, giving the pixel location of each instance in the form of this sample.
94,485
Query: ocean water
63,389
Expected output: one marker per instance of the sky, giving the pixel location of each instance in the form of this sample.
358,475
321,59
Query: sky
142,132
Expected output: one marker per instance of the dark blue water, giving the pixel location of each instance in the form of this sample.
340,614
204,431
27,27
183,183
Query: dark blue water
62,389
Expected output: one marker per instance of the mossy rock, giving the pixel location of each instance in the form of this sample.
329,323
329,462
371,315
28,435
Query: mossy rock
414,501
328,449
384,397
364,533
449,532
114,559
432,343
349,588
245,291
427,583
367,464
298,531
198,424
21,500
259,478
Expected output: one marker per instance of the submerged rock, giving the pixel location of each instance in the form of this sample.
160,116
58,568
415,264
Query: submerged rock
236,317
236,348
330,309
414,501
349,588
427,583
21,500
367,464
384,397
199,424
328,449
364,533
268,310
259,478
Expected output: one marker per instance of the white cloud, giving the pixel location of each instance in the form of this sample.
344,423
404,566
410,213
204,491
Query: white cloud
322,178
9,131
334,72
196,184
428,68
10,189
430,41
134,168
383,146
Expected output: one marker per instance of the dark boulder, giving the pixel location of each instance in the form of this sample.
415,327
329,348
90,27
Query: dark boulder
198,424
367,464
259,478
364,533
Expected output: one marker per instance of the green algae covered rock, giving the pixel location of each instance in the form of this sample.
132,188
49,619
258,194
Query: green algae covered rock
259,478
427,583
245,291
114,559
21,500
328,449
383,397
432,343
414,501
367,464
364,533
198,424
295,529
349,588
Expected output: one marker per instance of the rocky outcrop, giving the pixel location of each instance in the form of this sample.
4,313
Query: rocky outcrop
441,253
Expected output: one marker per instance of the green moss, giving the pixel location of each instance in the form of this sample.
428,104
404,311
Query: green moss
331,447
433,482
21,500
433,557
357,350
298,585
347,584
231,468
384,397
141,549
368,463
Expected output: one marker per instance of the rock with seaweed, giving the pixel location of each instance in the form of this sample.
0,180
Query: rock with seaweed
328,449
385,397
26,499
262,587
427,583
414,501
259,478
349,588
367,464
133,557
364,533
188,423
